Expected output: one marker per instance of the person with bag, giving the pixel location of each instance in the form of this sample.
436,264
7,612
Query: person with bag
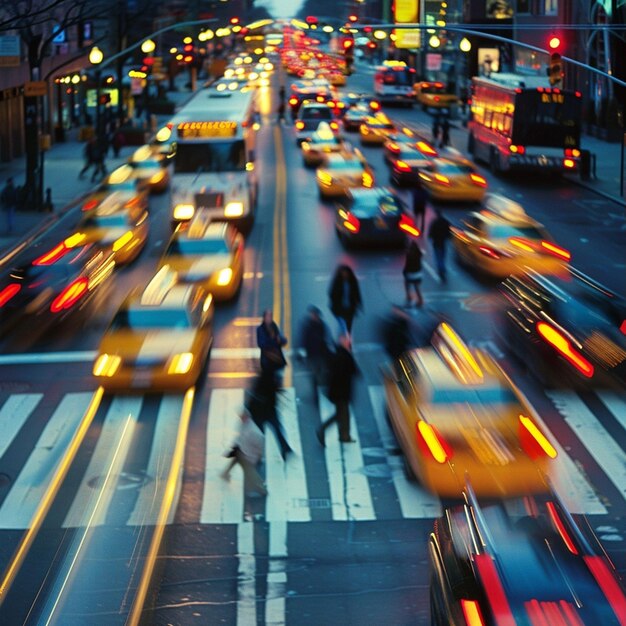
271,342
247,450
315,341
412,273
345,298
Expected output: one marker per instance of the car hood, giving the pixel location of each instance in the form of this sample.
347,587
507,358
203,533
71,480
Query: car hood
150,346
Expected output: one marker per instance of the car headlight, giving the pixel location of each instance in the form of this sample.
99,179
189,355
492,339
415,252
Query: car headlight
324,178
157,178
106,365
225,276
184,211
120,242
180,363
233,209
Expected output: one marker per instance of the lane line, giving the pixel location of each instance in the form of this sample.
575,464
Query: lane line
616,405
277,576
13,415
415,502
246,575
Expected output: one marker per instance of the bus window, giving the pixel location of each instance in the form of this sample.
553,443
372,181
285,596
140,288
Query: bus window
216,156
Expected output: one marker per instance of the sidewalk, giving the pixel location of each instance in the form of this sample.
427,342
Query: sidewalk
62,164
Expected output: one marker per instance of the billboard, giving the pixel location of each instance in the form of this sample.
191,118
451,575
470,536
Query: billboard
407,12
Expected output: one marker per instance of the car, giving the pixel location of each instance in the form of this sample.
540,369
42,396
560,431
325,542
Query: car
376,216
68,283
336,78
120,189
151,168
354,116
209,254
453,179
163,144
408,161
455,412
434,95
520,561
322,143
309,117
159,339
502,239
375,129
315,90
124,230
569,330
407,139
341,172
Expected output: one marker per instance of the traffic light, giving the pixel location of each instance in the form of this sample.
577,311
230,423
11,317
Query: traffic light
348,44
234,20
105,98
371,45
353,18
311,19
188,54
555,69
554,43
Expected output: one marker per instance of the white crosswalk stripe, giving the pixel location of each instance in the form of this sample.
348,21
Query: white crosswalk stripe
13,415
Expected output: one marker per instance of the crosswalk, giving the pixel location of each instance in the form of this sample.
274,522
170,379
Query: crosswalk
361,481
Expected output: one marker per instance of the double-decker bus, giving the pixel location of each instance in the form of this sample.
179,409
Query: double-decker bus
214,156
521,123
394,82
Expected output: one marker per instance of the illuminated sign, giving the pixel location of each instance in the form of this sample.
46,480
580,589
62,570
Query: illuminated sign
195,130
553,97
406,11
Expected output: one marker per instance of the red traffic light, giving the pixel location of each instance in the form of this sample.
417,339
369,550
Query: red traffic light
371,45
188,58
234,20
311,19
347,44
353,18
554,43
367,29
188,47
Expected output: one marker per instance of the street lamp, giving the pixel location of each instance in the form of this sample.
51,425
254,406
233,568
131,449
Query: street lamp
465,45
148,46
434,41
96,56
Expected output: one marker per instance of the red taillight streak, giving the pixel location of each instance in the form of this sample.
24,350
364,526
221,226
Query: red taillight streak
536,614
423,147
560,526
490,252
53,255
90,204
564,347
8,292
408,225
622,327
572,615
401,166
70,295
478,180
426,447
609,586
494,590
352,223
472,613
555,250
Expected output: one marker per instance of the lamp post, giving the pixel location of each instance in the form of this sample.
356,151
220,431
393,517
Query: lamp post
96,57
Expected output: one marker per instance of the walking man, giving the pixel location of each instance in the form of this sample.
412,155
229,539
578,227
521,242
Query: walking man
315,339
9,202
445,133
271,342
343,369
345,298
420,196
412,273
88,153
439,233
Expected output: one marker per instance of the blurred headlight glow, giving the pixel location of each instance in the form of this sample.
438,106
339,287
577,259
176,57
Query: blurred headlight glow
122,241
180,363
233,209
183,211
106,365
225,276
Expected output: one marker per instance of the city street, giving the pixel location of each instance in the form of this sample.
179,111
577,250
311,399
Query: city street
341,537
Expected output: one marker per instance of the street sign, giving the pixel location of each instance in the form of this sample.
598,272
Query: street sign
433,61
35,88
10,51
407,38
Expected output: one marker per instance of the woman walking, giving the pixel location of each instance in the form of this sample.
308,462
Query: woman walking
412,273
345,298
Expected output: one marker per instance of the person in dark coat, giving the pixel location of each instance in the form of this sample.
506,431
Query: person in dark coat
345,298
445,133
343,370
88,153
261,403
436,128
8,199
396,332
420,196
271,342
315,340
412,273
439,233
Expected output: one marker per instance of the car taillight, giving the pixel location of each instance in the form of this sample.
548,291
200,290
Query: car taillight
534,442
564,347
437,98
402,166
374,105
90,204
431,442
408,226
572,152
424,148
70,295
517,149
299,125
522,244
334,125
560,526
471,613
352,223
492,585
393,147
367,179
478,180
53,255
622,327
440,178
9,292
293,101
555,250
569,163
490,252
610,587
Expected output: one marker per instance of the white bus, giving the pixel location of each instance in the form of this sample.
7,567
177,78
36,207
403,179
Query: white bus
214,156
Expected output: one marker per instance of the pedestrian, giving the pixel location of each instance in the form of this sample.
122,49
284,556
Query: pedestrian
412,273
420,196
247,450
261,402
436,128
48,206
88,154
118,142
397,333
281,93
343,370
445,133
98,161
271,342
281,111
345,298
439,233
315,340
8,199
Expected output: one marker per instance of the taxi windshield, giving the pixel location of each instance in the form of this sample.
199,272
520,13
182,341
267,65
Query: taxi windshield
503,231
115,219
345,165
197,246
454,168
473,395
146,317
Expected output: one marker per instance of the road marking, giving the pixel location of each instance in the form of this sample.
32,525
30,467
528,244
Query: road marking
246,575
277,576
602,447
615,404
13,415
222,501
415,502
28,490
114,428
349,488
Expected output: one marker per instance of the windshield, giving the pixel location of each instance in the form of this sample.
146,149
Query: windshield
398,77
503,231
213,156
317,113
454,168
115,219
197,246
543,119
144,317
473,395
345,165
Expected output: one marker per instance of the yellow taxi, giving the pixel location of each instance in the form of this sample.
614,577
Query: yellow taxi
151,168
434,94
336,78
209,254
159,340
375,129
457,415
341,172
118,192
453,179
124,230
322,143
502,239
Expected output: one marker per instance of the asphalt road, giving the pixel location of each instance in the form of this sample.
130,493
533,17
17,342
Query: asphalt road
341,537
